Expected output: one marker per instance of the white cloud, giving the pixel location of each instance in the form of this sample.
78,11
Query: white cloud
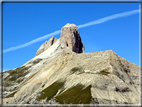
102,20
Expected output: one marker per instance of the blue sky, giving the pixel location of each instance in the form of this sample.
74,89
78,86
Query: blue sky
24,22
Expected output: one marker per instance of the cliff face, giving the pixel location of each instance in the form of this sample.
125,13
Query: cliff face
60,75
70,38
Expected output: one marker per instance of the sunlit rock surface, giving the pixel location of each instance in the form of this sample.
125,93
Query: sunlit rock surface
64,74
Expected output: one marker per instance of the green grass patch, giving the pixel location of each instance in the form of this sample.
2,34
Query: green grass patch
19,80
14,76
43,85
11,95
75,95
76,70
6,84
36,61
104,72
50,91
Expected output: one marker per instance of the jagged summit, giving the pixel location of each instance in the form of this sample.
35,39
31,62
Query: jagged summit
46,45
68,25
69,38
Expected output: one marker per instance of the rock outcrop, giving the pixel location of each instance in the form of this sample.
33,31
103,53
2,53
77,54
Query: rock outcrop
46,45
70,38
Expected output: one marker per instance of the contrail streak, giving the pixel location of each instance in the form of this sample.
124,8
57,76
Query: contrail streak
32,42
102,20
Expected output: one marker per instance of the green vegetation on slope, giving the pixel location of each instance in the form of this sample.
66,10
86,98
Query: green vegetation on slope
36,61
104,72
75,95
14,76
76,70
50,91
11,95
17,75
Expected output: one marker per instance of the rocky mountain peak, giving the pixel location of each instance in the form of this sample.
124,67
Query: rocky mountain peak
57,75
68,25
46,45
70,37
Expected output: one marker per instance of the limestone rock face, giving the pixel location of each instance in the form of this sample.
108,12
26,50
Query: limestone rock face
88,78
46,45
70,38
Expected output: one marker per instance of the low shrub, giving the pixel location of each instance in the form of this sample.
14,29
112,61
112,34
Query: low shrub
14,76
104,72
75,95
11,95
50,91
36,61
76,70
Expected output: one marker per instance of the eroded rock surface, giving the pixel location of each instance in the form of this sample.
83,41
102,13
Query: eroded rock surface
46,45
70,38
